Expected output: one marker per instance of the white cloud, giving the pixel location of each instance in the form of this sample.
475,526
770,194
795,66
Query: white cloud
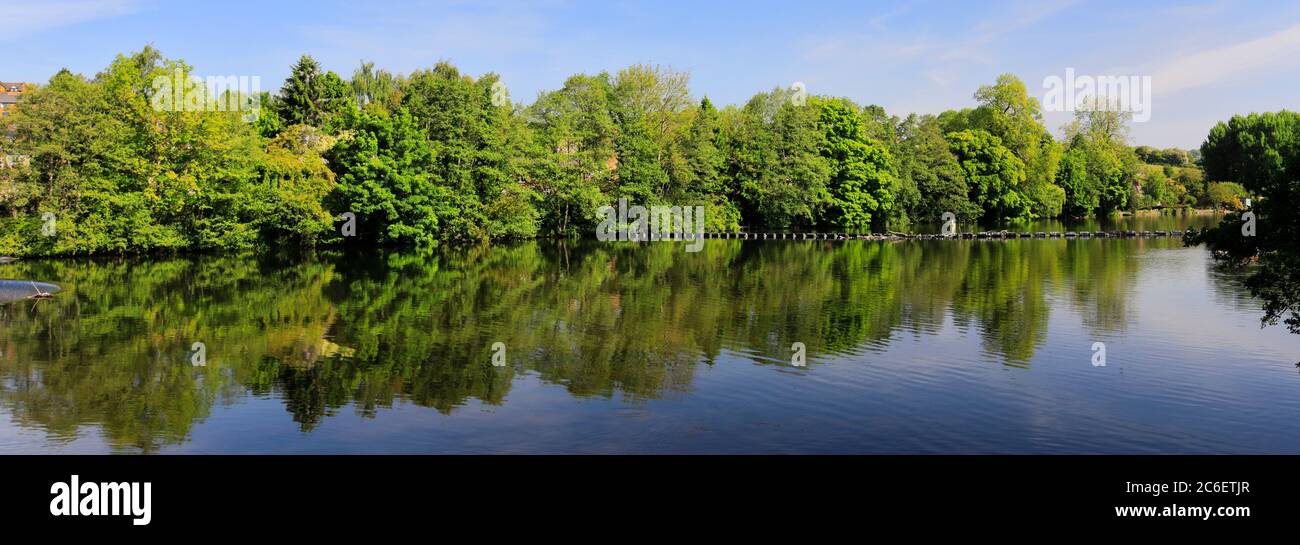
22,19
1217,65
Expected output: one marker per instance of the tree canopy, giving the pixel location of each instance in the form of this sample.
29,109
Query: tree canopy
438,156
1260,154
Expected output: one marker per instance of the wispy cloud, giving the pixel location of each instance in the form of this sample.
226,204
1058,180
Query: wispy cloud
22,19
883,20
489,33
1023,14
1217,65
971,46
409,37
1208,9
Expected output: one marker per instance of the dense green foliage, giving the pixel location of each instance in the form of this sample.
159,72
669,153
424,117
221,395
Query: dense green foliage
1261,153
438,157
1169,157
995,175
121,176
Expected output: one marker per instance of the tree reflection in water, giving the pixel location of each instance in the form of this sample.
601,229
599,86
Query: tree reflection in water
326,332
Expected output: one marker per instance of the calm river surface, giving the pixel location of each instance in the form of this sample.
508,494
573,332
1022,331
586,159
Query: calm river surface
911,347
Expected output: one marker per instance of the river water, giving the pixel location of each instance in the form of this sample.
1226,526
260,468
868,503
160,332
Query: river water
968,346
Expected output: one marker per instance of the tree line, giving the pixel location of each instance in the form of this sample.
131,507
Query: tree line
438,156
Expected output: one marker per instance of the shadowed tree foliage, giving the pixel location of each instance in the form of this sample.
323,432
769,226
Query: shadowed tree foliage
1261,152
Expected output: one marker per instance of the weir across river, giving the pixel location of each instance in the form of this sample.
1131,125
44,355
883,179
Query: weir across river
981,235
17,290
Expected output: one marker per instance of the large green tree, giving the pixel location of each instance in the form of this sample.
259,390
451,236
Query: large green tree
296,179
312,97
1111,170
1008,112
861,186
927,161
385,178
994,175
575,139
776,161
704,178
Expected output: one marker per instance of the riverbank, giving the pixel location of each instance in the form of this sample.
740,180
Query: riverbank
1141,224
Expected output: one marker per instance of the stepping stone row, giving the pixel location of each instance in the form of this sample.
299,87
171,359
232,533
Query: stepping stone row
1000,235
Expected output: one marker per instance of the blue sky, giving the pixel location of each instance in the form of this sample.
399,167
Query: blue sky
1208,59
